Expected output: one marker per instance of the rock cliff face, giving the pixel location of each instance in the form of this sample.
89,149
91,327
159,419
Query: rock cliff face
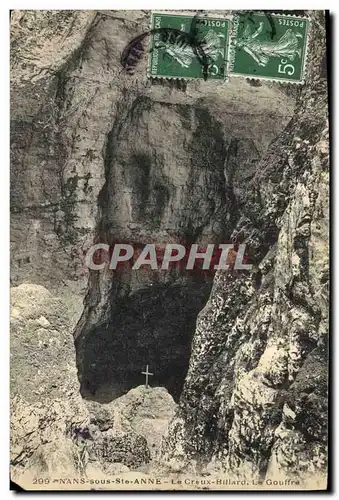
102,156
255,394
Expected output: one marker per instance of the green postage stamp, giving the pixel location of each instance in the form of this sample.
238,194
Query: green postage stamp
269,46
187,46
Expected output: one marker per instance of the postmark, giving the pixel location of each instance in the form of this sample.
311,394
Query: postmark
269,47
188,46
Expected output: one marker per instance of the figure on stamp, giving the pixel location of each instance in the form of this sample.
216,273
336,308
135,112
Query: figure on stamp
178,47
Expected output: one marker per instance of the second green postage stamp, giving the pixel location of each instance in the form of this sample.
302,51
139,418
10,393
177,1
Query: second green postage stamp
187,46
269,46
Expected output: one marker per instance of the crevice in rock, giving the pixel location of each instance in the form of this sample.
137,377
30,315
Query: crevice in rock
154,195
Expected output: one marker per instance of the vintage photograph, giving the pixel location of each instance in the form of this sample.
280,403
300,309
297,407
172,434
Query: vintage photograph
170,278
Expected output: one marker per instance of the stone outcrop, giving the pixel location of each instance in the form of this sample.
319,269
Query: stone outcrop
104,171
53,430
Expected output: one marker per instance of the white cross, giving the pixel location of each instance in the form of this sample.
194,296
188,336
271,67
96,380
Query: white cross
147,373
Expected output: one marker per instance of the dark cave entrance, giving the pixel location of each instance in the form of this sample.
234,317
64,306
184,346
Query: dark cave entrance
151,326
